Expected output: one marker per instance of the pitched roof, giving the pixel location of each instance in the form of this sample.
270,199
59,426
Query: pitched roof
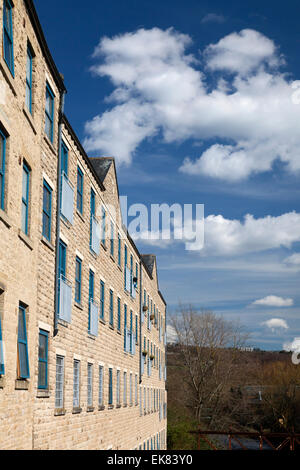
101,166
149,261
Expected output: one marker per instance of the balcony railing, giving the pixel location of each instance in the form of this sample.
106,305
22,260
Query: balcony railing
95,235
65,299
94,316
67,199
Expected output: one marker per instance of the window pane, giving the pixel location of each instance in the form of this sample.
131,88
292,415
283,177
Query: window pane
48,127
42,377
21,326
43,346
25,184
23,360
24,217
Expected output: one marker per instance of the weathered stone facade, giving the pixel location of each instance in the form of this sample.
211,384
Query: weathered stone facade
59,411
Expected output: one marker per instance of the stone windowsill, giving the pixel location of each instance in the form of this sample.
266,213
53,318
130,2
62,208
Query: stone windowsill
21,384
102,321
5,219
90,409
125,405
80,215
104,246
63,323
91,337
7,75
120,268
47,243
94,255
28,242
29,119
111,327
42,393
118,406
101,408
112,258
66,223
50,145
78,305
110,407
59,412
76,410
2,382
119,332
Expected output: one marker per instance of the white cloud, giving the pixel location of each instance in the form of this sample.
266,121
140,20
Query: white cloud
242,52
293,345
213,18
276,323
161,90
274,301
294,259
232,237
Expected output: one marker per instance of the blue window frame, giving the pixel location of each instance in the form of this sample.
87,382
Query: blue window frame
125,264
79,190
23,361
2,169
62,258
102,290
25,198
131,273
91,292
110,386
125,324
47,209
103,225
111,308
78,263
28,94
136,329
49,112
64,159
93,202
119,249
2,367
43,360
112,236
8,40
119,314
92,212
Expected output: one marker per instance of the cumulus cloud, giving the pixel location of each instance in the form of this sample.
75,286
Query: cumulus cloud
276,323
162,91
234,53
294,259
232,237
213,18
292,345
274,301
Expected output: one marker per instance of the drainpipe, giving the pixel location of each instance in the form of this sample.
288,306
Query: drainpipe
56,282
141,313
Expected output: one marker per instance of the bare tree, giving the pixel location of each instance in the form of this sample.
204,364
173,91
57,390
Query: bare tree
210,347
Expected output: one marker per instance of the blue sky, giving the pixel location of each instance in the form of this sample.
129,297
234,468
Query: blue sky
196,101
